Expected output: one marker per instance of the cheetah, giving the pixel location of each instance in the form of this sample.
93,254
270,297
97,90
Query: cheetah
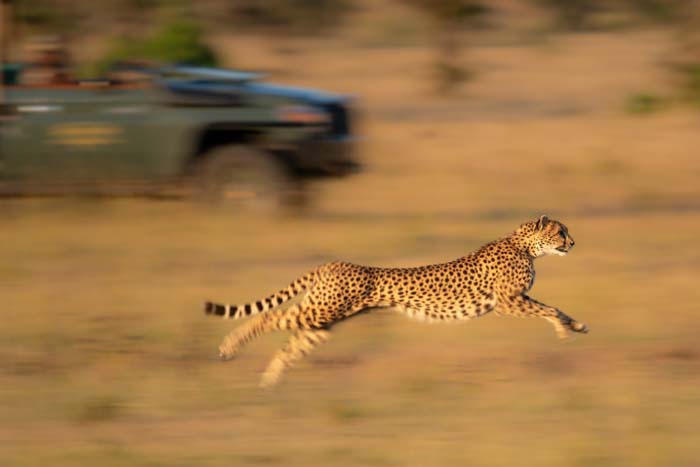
495,278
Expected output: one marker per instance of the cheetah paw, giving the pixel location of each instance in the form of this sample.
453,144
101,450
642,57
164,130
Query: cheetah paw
227,353
268,381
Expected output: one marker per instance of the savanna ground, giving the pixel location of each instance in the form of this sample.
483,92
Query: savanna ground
107,359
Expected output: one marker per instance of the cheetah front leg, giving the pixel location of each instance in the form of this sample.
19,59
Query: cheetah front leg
522,305
296,348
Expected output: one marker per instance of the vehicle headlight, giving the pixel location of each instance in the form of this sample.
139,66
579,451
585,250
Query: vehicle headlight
303,115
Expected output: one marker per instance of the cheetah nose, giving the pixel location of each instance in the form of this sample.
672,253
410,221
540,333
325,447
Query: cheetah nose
572,242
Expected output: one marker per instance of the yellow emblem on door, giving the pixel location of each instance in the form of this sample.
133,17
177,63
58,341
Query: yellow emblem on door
85,134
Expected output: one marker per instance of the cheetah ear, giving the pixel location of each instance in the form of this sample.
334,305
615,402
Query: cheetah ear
542,222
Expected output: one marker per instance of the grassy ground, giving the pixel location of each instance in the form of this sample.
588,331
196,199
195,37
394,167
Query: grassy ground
107,359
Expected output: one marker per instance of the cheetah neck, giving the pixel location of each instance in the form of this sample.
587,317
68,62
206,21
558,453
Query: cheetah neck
522,244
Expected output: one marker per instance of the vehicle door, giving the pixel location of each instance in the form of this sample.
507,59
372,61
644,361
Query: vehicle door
86,133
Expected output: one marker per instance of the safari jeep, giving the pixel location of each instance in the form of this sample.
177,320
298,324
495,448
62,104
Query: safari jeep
181,128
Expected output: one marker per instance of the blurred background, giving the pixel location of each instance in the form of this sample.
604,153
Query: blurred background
424,129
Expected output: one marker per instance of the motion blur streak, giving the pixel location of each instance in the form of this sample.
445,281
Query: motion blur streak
107,359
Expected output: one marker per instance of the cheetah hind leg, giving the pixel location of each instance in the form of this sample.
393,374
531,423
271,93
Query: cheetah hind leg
256,326
297,347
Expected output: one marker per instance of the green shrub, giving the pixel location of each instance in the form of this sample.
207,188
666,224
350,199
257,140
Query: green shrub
691,78
643,103
180,41
656,10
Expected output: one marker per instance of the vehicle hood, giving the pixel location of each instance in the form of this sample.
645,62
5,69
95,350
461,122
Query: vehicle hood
223,90
311,96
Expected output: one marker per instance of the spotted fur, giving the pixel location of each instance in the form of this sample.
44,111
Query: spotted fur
495,278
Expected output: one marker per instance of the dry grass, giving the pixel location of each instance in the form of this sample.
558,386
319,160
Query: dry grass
106,359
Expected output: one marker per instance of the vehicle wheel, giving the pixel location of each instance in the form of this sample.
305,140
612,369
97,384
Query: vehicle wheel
241,175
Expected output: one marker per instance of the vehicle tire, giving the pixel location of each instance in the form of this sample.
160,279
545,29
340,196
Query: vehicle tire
243,176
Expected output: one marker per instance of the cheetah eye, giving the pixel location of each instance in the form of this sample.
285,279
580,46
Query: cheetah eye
562,234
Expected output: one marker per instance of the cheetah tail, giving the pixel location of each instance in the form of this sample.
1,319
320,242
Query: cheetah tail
242,311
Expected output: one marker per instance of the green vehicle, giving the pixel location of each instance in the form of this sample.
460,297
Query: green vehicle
175,129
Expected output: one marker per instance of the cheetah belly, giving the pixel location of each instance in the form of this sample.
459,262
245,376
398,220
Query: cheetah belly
450,310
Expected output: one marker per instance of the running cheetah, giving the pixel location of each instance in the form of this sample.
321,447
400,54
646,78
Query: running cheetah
495,278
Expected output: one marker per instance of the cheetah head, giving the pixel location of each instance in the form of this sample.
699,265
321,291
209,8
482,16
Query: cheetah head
544,237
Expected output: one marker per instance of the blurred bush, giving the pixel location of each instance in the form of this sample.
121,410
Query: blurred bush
684,17
457,12
451,18
690,75
180,41
305,17
657,10
581,15
43,15
176,41
572,14
643,103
